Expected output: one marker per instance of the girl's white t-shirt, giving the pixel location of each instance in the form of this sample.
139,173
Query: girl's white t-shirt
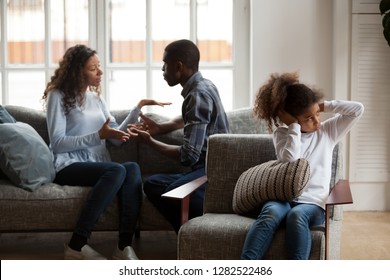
317,147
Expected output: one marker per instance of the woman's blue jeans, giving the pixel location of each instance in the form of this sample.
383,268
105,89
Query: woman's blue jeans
297,218
107,179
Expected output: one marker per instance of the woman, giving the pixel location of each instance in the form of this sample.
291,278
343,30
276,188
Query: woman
79,122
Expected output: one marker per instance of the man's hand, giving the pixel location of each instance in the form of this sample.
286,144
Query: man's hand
149,125
172,151
106,132
137,130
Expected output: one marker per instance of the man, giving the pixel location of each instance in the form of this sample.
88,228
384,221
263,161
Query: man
202,115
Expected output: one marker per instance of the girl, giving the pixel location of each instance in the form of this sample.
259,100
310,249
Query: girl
79,122
294,109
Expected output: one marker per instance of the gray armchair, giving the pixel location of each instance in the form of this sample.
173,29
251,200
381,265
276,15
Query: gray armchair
220,233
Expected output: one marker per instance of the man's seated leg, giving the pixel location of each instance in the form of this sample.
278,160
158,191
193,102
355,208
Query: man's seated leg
158,184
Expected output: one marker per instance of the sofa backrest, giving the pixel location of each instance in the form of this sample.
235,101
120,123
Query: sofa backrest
242,121
228,157
35,118
151,162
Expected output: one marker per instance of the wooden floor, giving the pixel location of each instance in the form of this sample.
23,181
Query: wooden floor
160,245
365,236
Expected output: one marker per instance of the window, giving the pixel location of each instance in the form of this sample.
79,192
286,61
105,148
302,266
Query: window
31,49
130,36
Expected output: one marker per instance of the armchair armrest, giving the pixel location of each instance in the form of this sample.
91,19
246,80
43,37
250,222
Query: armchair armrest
183,193
340,194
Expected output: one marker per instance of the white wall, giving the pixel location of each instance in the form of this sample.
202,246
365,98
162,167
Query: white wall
290,36
314,37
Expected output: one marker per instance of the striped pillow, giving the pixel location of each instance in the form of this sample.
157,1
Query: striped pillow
272,180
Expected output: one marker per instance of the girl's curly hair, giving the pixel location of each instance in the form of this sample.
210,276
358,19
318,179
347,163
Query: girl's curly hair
283,92
69,77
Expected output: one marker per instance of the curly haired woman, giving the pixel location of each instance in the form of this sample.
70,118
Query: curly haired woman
79,123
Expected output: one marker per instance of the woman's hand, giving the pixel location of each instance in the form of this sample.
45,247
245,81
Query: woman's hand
106,132
144,102
286,118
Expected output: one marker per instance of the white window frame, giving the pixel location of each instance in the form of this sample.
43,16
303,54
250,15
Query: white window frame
98,21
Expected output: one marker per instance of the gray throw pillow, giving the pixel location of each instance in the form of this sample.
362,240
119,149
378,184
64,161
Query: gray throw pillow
272,180
5,117
24,157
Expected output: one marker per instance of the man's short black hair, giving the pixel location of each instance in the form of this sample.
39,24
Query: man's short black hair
185,51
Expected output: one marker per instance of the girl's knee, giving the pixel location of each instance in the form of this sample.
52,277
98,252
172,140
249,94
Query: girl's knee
296,218
275,209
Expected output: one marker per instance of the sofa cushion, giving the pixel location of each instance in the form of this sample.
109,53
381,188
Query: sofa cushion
222,236
24,157
5,117
272,180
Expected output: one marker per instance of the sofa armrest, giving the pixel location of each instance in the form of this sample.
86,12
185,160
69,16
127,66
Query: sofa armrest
183,193
340,194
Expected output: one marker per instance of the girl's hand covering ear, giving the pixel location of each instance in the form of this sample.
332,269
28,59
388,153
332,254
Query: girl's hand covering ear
286,118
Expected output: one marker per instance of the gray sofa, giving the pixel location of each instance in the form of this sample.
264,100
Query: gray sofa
219,234
56,208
